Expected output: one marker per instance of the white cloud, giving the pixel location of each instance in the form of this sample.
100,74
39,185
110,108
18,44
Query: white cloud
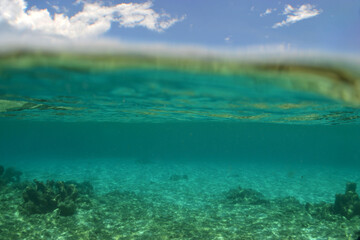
77,2
267,12
294,15
56,7
228,39
95,19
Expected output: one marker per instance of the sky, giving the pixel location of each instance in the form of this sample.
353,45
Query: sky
325,25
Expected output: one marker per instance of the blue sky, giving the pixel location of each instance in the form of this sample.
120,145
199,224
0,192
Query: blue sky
329,25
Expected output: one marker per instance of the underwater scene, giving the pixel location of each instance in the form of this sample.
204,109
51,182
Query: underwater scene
150,146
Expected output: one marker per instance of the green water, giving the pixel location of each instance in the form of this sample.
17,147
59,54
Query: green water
239,142
169,144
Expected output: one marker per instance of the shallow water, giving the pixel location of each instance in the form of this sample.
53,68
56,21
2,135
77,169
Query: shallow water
164,144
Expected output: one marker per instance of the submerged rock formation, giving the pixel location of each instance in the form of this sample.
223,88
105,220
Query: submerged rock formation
40,198
9,175
348,204
321,211
245,196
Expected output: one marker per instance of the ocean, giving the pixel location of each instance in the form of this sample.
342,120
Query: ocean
147,146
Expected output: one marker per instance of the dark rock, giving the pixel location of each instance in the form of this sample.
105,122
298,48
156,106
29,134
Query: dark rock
2,182
67,208
245,196
348,204
321,211
350,187
40,198
11,175
176,177
357,234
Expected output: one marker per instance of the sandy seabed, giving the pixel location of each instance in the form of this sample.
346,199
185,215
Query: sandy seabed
143,200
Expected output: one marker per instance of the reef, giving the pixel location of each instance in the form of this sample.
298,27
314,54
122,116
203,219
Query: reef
41,198
9,175
348,204
245,196
72,210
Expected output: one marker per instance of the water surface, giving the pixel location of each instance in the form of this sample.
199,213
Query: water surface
170,143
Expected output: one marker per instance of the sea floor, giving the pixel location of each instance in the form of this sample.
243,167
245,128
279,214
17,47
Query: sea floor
154,199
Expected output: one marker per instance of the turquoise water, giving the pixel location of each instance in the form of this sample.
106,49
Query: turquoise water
165,147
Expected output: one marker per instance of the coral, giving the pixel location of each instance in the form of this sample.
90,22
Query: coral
40,198
348,204
1,170
245,196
